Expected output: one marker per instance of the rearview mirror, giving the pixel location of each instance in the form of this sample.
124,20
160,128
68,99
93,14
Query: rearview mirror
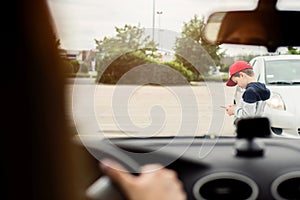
264,26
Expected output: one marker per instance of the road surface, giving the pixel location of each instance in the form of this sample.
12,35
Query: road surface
147,111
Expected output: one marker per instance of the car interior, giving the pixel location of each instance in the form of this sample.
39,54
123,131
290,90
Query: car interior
250,164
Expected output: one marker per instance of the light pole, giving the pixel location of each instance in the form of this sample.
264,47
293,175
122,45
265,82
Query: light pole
159,13
153,20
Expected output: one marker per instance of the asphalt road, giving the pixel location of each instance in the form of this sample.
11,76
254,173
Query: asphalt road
146,111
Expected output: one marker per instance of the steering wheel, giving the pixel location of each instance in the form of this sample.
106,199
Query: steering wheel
104,188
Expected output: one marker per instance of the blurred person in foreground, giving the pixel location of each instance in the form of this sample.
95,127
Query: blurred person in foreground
42,162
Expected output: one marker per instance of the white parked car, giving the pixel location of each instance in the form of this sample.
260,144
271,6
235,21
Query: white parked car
281,74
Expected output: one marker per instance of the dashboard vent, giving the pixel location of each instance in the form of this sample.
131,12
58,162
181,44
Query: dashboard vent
225,185
287,186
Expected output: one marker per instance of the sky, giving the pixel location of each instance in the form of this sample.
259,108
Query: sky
79,22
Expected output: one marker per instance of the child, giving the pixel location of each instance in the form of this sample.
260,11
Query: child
255,95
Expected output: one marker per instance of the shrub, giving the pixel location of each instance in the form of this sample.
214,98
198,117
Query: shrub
75,64
183,70
121,65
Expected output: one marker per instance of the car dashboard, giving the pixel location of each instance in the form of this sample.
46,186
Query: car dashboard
211,168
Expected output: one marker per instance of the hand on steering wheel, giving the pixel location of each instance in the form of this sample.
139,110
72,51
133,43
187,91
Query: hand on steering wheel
154,182
125,177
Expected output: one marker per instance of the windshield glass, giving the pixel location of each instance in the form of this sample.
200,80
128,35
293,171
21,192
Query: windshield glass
140,68
283,71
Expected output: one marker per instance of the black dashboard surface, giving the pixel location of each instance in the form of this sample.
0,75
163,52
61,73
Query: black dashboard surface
211,169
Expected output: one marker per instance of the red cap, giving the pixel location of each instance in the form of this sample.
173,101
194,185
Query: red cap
236,67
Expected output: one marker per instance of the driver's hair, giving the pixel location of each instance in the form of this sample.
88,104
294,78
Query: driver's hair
43,162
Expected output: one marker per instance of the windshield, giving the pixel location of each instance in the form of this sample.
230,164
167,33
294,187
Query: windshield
283,72
140,68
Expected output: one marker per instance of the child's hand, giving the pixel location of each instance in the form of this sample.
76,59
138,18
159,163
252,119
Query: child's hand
230,109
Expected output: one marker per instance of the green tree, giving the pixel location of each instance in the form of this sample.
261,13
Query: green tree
293,50
193,51
117,55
